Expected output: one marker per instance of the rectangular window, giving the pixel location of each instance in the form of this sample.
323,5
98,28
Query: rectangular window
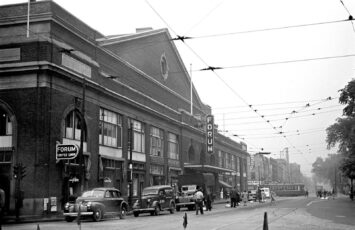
156,142
238,164
138,135
220,159
233,162
110,128
173,146
5,156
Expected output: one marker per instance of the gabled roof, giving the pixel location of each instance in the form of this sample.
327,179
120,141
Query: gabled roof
145,50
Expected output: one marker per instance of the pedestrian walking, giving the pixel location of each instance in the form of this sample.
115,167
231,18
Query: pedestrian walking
272,196
245,197
233,197
198,201
209,201
258,195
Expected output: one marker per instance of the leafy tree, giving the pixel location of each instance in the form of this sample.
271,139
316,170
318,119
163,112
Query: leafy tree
327,170
343,132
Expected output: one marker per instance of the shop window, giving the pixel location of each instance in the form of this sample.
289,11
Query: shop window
73,126
110,128
173,146
156,142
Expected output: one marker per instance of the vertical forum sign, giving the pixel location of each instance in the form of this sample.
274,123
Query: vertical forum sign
210,133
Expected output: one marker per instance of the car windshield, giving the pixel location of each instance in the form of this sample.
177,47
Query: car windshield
150,191
94,193
188,188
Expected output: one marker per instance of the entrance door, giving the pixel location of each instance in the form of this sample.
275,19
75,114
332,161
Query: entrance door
5,185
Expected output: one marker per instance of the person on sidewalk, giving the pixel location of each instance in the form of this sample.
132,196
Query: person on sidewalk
245,197
234,197
272,194
209,201
198,201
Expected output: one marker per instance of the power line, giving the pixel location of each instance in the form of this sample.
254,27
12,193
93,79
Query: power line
281,62
269,29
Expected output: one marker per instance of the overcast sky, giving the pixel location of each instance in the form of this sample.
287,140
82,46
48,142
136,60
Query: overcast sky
271,55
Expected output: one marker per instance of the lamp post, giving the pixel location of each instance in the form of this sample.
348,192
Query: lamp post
130,164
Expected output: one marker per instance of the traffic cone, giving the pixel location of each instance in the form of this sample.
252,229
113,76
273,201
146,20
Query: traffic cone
38,227
266,225
184,223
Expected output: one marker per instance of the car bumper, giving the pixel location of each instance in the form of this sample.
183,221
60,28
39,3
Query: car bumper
143,209
75,214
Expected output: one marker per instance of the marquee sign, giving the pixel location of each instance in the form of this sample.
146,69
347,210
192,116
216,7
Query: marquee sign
66,151
210,133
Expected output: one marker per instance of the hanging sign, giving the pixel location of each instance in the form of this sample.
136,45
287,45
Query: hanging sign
210,133
66,152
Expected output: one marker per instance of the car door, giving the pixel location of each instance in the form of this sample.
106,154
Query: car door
169,196
162,198
107,201
116,201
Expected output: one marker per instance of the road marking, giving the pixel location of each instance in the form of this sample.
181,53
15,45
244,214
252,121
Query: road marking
310,203
341,216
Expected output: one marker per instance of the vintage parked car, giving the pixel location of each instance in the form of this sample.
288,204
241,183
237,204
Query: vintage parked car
155,199
97,204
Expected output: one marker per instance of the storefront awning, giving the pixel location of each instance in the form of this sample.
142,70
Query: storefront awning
224,184
208,168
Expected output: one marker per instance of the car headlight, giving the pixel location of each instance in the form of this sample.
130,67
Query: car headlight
88,204
66,206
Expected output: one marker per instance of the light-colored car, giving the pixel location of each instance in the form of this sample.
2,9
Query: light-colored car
266,192
97,203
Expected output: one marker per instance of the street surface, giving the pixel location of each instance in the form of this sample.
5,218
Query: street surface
288,213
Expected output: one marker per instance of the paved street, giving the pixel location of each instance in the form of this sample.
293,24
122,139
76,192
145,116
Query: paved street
290,213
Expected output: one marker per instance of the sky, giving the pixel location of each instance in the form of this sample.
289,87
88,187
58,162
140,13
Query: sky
282,62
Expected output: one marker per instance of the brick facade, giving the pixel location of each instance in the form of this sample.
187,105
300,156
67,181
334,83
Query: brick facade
38,92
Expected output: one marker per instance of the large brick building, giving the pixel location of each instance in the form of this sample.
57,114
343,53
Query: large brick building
69,84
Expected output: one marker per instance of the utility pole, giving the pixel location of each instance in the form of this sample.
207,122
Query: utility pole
82,127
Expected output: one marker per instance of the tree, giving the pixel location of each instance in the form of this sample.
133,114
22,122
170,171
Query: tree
327,170
343,132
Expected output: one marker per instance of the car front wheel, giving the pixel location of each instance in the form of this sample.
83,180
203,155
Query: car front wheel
172,208
97,215
135,214
123,212
157,211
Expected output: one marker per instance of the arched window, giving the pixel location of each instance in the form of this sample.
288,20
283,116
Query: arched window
212,160
191,154
73,126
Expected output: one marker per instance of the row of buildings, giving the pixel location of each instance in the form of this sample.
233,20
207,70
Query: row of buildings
64,83
264,170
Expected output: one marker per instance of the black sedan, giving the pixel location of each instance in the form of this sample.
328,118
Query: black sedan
97,204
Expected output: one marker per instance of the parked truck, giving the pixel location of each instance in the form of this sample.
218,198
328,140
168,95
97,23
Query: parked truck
188,184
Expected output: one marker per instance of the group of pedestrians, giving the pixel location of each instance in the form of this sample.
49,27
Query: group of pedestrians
200,199
237,197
